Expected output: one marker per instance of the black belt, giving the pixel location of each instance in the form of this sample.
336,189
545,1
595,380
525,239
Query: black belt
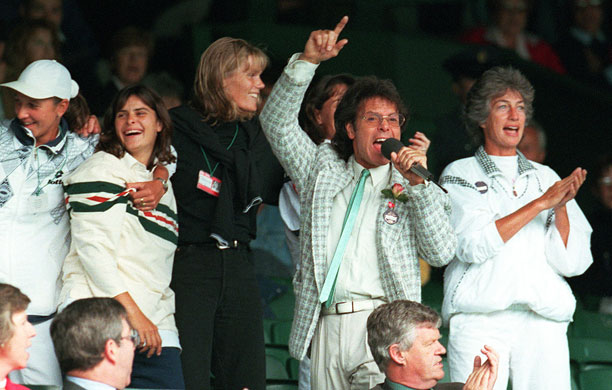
35,319
234,244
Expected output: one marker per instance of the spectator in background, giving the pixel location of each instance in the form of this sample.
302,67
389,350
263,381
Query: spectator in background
3,38
508,20
79,49
597,280
28,42
49,10
452,140
94,344
131,49
585,49
31,41
16,334
601,240
533,143
167,87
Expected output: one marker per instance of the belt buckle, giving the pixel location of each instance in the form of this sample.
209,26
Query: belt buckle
232,244
352,307
222,246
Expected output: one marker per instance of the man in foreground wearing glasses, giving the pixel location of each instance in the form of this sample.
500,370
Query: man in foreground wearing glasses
94,344
346,219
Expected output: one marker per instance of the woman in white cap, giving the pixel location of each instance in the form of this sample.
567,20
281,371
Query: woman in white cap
36,151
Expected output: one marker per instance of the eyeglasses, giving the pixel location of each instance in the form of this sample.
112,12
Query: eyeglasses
374,119
134,337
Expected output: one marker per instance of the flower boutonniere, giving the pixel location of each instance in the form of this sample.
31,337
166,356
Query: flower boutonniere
395,192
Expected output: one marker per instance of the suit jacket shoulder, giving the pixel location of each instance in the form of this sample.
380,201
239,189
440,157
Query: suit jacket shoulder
440,386
449,386
68,385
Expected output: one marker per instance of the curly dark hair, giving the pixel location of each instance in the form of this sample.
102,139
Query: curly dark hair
364,88
109,141
316,95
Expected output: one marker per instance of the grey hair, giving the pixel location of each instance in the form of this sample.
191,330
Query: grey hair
81,330
396,323
492,84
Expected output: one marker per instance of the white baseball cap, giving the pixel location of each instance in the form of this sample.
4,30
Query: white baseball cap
43,79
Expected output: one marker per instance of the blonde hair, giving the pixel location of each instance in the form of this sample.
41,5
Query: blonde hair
218,62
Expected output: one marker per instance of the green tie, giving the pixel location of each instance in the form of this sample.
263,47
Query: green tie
327,293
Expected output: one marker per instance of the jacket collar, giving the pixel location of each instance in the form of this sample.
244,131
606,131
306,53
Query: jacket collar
491,169
26,138
389,385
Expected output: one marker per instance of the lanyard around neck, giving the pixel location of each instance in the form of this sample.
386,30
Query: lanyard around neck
210,169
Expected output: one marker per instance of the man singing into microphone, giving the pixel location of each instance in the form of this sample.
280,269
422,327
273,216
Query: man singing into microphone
359,249
519,233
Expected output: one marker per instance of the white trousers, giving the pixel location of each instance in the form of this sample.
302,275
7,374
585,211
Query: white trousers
340,356
42,368
533,350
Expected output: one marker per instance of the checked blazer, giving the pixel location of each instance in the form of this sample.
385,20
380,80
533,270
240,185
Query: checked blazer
319,174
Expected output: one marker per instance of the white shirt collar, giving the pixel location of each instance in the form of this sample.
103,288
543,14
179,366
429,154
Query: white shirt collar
89,384
132,163
377,175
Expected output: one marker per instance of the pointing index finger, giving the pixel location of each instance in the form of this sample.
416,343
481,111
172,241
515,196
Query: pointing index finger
340,25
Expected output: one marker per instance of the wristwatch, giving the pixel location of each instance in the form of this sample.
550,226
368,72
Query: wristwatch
164,183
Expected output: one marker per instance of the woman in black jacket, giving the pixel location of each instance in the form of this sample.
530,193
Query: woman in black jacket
225,169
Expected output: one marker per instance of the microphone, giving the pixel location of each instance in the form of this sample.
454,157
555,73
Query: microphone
394,145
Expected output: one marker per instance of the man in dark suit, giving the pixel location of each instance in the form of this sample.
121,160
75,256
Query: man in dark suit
405,341
94,344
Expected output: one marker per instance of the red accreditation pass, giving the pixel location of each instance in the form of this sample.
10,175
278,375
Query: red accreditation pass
209,184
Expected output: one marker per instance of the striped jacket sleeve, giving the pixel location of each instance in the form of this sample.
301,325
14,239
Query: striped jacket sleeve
97,202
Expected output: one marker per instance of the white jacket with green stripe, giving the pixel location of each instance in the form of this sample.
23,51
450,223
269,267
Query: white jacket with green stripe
115,247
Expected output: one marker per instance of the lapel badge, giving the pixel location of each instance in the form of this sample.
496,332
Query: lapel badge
481,187
390,216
